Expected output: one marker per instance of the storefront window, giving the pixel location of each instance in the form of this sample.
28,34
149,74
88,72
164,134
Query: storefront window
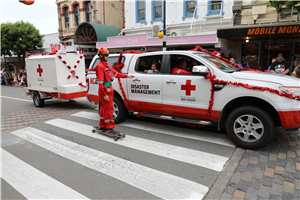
140,12
158,9
249,50
216,5
270,51
296,54
189,8
77,14
214,8
66,10
88,11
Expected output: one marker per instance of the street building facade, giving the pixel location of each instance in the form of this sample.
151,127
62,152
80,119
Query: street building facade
259,31
188,23
82,23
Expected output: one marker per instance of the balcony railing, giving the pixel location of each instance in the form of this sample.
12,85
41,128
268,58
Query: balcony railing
204,12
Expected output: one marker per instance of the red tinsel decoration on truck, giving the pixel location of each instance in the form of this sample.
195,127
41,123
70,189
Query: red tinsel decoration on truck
212,79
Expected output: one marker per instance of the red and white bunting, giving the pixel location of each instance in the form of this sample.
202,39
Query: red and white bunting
72,70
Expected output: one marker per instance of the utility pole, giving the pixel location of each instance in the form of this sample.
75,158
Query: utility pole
164,30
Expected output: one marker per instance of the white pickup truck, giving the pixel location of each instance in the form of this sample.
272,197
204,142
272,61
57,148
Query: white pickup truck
249,115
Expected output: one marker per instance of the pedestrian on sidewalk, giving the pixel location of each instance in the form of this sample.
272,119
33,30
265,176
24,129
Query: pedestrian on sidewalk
296,72
253,64
20,74
8,78
280,66
24,79
105,75
15,79
273,60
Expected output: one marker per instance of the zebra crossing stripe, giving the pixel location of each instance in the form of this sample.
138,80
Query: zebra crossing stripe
199,158
219,139
160,184
32,183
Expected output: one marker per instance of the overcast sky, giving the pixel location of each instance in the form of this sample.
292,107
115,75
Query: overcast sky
42,14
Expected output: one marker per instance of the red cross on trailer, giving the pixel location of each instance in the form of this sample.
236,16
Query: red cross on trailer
39,70
188,87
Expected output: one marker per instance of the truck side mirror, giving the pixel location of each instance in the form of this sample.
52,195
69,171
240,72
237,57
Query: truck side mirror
200,70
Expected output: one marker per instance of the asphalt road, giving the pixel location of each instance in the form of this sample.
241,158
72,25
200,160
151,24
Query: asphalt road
50,152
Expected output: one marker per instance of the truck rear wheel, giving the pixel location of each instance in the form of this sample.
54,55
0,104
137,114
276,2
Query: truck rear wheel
37,101
250,127
120,111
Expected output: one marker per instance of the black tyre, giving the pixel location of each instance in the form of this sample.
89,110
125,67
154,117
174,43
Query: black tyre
120,111
250,127
37,101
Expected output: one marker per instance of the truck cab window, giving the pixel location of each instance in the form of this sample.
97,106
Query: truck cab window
176,60
112,61
149,64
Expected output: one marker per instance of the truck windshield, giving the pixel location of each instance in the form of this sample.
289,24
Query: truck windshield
220,64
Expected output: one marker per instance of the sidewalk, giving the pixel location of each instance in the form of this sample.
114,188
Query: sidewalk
272,172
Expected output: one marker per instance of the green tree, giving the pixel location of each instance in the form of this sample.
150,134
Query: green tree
18,38
4,42
278,5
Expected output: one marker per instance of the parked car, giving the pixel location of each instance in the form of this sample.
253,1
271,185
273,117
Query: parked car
248,115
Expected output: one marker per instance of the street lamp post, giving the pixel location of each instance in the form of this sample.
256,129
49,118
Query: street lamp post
164,30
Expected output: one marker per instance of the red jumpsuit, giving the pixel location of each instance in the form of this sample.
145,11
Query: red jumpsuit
177,70
105,74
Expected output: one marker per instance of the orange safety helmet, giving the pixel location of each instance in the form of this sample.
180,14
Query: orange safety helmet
103,50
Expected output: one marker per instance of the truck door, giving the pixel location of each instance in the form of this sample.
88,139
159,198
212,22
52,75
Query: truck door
185,94
145,90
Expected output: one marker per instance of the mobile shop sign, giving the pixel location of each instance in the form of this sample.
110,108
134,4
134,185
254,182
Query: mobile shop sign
259,31
274,30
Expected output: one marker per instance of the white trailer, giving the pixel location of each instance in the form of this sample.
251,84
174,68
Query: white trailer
55,75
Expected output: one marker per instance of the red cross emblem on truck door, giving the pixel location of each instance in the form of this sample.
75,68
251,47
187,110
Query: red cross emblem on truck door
188,87
39,70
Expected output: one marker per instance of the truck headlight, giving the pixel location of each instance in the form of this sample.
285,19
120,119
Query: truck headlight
290,89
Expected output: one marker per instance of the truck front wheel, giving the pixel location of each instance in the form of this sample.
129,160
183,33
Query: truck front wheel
120,111
37,101
250,127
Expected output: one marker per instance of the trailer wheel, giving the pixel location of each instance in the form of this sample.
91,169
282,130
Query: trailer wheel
120,111
250,127
37,101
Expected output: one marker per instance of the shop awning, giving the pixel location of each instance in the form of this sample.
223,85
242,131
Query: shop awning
90,33
260,32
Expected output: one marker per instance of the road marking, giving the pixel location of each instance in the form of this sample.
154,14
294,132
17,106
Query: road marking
190,156
16,98
189,134
160,184
32,183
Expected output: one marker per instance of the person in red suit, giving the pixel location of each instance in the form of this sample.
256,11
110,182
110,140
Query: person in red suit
27,2
105,75
180,68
